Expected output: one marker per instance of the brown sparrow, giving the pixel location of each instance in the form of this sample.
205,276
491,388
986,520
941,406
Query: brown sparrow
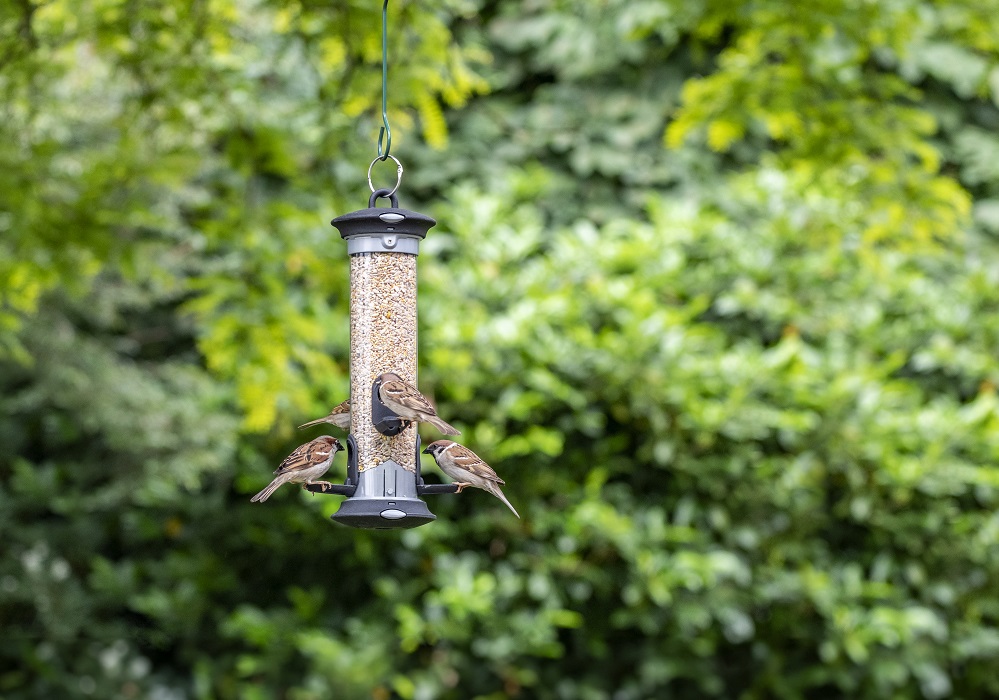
305,465
466,468
339,416
406,401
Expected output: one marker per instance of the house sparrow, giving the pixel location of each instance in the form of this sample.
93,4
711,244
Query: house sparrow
305,465
339,416
466,468
405,400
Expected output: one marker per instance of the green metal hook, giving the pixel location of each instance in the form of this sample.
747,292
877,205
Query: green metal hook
386,130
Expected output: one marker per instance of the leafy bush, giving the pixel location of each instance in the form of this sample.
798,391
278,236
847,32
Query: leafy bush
743,391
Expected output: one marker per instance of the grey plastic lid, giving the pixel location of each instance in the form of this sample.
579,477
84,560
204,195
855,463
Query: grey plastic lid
388,230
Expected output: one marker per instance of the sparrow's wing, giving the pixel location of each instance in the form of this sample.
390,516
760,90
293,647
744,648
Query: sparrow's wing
306,456
409,396
468,460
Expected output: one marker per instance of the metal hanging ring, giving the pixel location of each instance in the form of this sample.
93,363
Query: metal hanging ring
398,171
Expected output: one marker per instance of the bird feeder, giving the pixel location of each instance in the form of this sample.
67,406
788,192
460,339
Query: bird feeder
383,483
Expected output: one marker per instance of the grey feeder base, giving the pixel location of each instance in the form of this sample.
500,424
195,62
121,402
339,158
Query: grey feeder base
383,513
387,498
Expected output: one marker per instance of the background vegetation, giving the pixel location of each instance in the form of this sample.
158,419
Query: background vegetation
715,288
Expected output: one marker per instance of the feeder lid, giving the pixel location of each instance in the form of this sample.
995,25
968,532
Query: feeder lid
391,221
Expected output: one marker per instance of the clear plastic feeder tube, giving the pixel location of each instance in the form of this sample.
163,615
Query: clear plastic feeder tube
383,338
382,244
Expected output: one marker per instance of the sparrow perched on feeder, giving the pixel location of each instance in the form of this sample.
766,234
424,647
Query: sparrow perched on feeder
467,468
406,401
339,416
305,465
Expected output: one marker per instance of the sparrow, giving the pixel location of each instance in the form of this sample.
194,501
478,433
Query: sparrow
305,465
339,416
467,468
405,400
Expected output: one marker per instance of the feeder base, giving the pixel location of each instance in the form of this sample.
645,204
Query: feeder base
383,513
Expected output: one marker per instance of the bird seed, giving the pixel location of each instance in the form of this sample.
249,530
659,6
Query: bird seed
382,339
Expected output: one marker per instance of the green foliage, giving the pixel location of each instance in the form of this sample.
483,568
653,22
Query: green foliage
742,388
808,445
223,129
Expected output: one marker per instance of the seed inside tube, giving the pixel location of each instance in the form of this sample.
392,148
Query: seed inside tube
382,339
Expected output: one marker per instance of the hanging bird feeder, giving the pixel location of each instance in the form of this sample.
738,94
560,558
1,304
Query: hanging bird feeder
384,484
383,481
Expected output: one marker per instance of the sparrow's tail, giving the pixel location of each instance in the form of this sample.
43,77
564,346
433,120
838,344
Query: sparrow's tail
269,489
442,426
317,421
495,490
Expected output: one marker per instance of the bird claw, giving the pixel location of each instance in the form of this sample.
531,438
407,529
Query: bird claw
461,485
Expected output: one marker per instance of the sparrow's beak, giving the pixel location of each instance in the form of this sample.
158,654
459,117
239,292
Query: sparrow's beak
426,451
